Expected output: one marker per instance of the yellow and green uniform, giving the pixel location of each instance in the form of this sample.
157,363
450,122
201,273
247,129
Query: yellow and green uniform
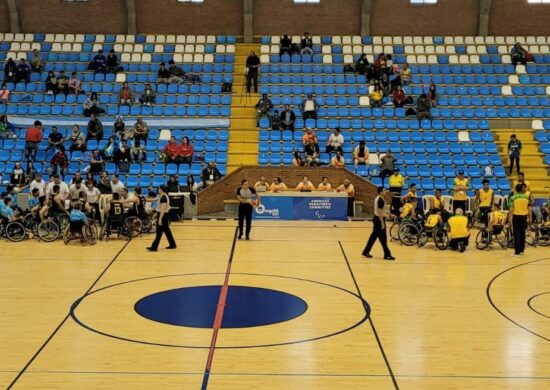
520,203
432,221
498,218
407,210
485,198
460,195
459,226
438,203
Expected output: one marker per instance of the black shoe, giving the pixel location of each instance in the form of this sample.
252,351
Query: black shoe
171,247
389,258
367,255
240,236
151,249
248,238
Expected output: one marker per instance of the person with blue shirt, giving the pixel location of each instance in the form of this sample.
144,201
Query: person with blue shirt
77,217
7,212
33,200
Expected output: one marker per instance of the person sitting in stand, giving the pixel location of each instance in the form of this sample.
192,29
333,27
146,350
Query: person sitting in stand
432,95
305,185
75,85
125,95
360,154
186,151
111,62
96,162
51,83
210,174
312,153
177,75
297,159
148,96
171,151
423,107
78,142
518,55
324,186
95,129
376,97
63,83
59,163
458,231
309,135
137,151
362,65
306,45
338,161
55,139
285,45
141,130
309,108
122,154
405,75
109,150
91,105
17,177
163,74
173,184
399,97
264,107
22,72
277,185
9,71
119,126
99,63
335,142
288,117
4,94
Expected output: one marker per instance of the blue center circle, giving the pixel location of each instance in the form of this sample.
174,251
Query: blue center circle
196,307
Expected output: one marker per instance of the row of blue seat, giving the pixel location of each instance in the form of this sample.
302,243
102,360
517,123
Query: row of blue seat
111,38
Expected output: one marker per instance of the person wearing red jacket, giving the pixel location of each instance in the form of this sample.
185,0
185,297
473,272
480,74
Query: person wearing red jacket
33,138
172,151
59,163
398,97
186,151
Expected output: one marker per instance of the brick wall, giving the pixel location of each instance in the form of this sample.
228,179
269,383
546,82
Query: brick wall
513,17
4,17
171,17
447,17
56,16
333,17
211,199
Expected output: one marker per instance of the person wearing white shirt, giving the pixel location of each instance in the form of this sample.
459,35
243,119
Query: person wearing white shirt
63,187
116,184
309,108
92,196
39,184
75,189
335,142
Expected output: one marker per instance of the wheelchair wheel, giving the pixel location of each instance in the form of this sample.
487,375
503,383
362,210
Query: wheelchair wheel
133,226
408,233
63,221
90,234
394,231
441,238
482,239
423,238
67,235
29,221
503,238
146,224
15,231
531,235
48,231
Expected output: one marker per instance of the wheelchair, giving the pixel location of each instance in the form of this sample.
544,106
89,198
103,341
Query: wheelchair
437,234
409,231
78,230
502,235
538,235
47,231
126,226
14,231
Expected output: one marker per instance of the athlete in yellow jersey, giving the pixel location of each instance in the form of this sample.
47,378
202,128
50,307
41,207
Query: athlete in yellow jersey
497,220
434,219
485,198
408,210
459,232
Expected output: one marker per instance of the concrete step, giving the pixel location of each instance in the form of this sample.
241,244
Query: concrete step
238,135
243,148
236,160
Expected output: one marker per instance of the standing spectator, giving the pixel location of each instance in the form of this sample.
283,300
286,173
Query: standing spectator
248,199
360,154
75,85
297,159
59,163
22,72
252,65
33,137
186,151
4,94
337,161
514,151
137,151
288,118
423,107
309,107
78,142
264,108
399,97
148,96
405,75
63,83
306,44
9,71
55,140
460,195
458,231
116,184
163,74
311,153
348,188
335,142
376,97
177,74
387,165
104,184
285,46
96,162
210,174
141,131
379,223
173,184
51,83
362,65
119,126
396,183
171,151
125,95
432,95
30,172
99,63
95,129
518,55
518,217
17,177
91,105
111,63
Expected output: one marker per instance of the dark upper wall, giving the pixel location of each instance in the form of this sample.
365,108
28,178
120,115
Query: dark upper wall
4,17
56,16
514,17
334,17
171,17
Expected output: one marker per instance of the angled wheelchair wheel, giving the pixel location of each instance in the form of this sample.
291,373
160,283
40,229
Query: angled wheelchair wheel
15,231
394,231
48,231
67,235
423,238
441,239
133,226
408,233
89,233
63,221
482,239
29,221
146,224
531,235
503,238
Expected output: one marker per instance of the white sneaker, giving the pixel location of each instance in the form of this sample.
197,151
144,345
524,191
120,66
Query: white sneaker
515,255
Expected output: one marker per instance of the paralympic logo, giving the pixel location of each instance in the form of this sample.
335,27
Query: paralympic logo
319,215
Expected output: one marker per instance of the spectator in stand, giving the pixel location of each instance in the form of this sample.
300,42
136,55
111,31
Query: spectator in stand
385,85
109,149
337,161
432,95
99,63
252,66
55,140
349,189
399,97
309,134
96,162
78,142
460,195
173,184
90,177
177,75
514,152
309,107
285,46
362,65
335,142
264,107
360,154
104,184
163,74
125,95
4,94
171,151
51,83
324,186
312,153
518,55
111,63
63,83
75,85
148,96
305,185
17,177
95,129
423,107
141,130
33,137
22,72
138,151
119,126
306,45
91,105
122,154
297,160
210,174
405,75
376,97
9,71
288,118
6,128
186,151
387,167
30,172
277,185
59,163
276,121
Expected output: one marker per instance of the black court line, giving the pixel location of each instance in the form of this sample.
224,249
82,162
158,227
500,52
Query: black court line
64,320
530,304
378,341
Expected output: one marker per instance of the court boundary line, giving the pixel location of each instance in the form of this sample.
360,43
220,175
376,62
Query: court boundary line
378,341
219,314
531,306
24,369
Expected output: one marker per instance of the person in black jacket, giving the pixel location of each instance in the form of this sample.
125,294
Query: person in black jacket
9,70
285,46
112,62
163,74
22,72
252,65
307,44
210,174
287,118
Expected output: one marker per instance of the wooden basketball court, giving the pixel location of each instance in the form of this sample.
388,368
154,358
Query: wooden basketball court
429,320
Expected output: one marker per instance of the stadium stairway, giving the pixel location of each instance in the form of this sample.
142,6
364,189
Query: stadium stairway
531,162
243,132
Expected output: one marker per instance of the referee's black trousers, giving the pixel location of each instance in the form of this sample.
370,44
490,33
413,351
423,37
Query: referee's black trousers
164,228
519,226
379,233
245,213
